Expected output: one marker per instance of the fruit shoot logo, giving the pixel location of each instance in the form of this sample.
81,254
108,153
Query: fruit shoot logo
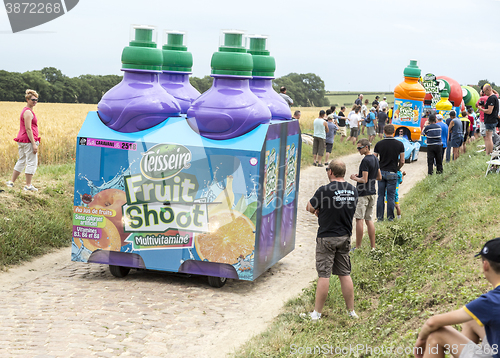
162,198
431,86
290,168
406,112
271,177
26,15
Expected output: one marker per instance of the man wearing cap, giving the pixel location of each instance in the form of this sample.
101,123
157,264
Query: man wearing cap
371,117
490,110
365,183
480,318
383,104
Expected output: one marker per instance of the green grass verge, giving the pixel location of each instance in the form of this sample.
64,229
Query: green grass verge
32,224
423,265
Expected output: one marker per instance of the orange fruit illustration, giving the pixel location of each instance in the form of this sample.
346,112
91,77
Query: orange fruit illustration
230,235
110,239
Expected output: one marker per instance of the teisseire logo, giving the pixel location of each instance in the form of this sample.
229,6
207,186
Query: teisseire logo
163,161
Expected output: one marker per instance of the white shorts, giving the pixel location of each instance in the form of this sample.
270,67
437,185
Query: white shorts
27,159
473,350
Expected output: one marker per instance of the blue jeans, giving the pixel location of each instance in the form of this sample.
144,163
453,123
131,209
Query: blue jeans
388,183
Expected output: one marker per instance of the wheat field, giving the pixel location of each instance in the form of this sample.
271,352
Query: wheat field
58,126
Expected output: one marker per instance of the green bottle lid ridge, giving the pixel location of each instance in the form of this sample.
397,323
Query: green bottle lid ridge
176,57
264,65
142,54
412,70
232,58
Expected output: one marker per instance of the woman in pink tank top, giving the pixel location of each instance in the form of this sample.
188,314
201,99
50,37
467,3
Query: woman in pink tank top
27,141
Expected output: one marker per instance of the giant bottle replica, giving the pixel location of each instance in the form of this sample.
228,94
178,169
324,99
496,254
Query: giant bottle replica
138,102
263,74
196,194
177,64
444,106
229,108
409,100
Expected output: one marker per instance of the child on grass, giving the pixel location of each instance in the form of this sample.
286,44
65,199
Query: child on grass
396,197
480,318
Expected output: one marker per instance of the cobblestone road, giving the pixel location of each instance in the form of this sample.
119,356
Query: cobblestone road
53,307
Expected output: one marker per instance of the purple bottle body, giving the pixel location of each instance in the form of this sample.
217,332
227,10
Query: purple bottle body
228,109
178,85
137,103
263,88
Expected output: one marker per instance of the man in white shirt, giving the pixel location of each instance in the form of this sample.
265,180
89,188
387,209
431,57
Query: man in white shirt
364,113
383,104
354,120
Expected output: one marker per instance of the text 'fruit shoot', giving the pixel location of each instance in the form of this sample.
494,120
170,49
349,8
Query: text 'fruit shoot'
162,198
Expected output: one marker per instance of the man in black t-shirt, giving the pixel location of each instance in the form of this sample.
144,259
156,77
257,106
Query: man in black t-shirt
342,128
490,110
381,122
334,204
359,100
375,103
369,172
392,157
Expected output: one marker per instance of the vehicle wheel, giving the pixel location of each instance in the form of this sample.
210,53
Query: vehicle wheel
217,282
119,271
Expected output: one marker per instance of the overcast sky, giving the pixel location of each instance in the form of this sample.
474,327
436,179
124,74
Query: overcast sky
361,45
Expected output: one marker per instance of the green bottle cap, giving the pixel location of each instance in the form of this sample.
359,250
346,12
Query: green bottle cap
142,54
412,70
176,57
232,57
263,64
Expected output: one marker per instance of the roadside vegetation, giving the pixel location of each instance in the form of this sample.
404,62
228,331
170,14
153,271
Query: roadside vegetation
32,224
424,264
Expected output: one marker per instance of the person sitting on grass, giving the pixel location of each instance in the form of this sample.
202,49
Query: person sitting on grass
480,318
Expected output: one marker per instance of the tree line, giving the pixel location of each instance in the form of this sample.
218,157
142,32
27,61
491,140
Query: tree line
306,90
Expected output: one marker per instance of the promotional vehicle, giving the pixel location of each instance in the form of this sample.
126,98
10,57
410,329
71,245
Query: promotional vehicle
206,189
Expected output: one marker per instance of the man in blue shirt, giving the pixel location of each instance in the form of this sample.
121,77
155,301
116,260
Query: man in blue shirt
434,145
444,133
370,124
480,318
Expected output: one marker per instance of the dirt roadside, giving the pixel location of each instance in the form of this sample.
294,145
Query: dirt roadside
60,308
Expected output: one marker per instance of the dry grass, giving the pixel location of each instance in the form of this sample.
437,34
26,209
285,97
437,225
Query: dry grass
307,117
58,126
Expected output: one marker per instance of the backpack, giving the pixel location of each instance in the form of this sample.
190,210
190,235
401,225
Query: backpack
368,118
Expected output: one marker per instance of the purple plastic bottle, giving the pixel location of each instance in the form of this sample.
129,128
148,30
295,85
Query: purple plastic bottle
138,102
228,109
263,74
177,65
